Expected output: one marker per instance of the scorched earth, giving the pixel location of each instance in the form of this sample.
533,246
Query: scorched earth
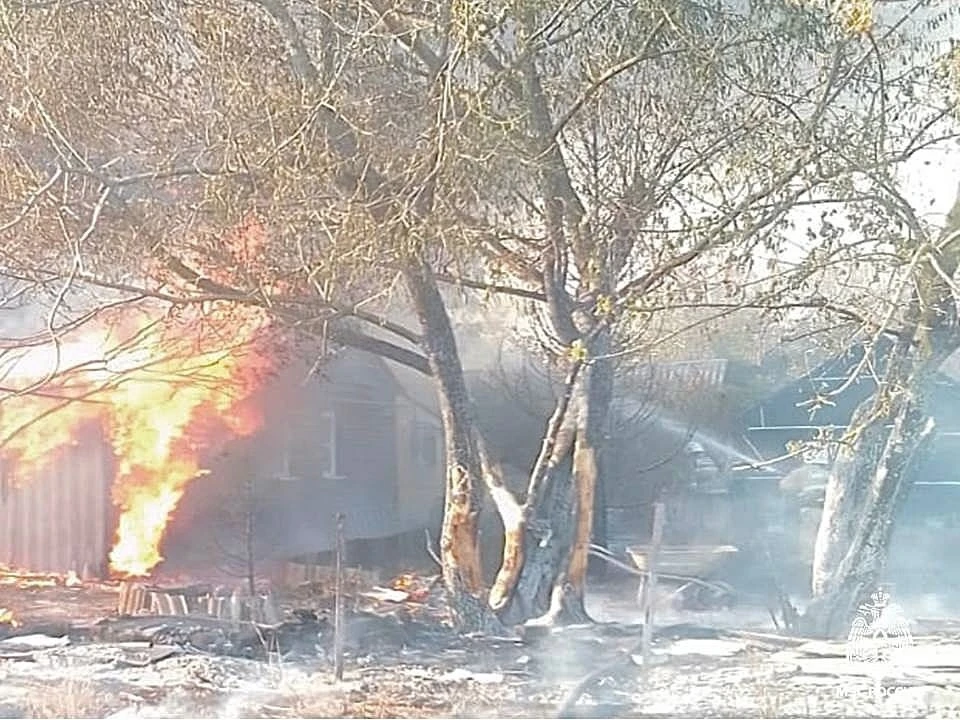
66,653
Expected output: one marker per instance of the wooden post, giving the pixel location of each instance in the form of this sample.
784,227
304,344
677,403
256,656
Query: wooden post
139,600
123,601
650,586
180,603
271,615
131,598
236,609
338,625
134,600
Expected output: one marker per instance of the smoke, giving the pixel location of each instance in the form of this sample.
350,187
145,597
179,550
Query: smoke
28,308
21,312
491,331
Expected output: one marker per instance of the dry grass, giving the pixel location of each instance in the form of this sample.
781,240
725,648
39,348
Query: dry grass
380,706
769,702
385,696
70,699
380,700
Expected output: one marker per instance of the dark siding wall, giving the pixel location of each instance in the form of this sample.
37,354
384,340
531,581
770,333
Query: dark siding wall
367,463
297,498
297,508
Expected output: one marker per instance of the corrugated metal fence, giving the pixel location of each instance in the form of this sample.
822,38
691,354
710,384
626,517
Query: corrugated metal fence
61,518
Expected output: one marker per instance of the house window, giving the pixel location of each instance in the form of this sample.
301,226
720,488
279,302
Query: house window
311,448
426,445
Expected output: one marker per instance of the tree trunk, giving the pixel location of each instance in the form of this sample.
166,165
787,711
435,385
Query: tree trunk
888,434
847,493
520,522
567,595
459,542
544,532
567,602
553,537
864,493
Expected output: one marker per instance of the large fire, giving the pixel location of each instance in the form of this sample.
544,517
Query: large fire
162,387
161,390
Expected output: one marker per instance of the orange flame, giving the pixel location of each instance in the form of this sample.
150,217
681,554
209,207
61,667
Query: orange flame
161,389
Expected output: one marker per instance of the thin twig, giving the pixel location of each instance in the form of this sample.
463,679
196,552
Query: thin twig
431,551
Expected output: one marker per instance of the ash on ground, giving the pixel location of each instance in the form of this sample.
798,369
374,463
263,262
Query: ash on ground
401,661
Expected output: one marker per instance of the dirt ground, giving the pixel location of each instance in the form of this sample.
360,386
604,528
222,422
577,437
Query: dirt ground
398,664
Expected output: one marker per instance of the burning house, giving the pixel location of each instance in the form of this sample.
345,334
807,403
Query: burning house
354,439
196,455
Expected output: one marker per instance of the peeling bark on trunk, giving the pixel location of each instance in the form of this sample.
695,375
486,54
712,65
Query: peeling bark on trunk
544,542
569,578
546,535
548,538
459,543
567,602
511,514
567,595
863,495
514,526
553,537
585,471
557,440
